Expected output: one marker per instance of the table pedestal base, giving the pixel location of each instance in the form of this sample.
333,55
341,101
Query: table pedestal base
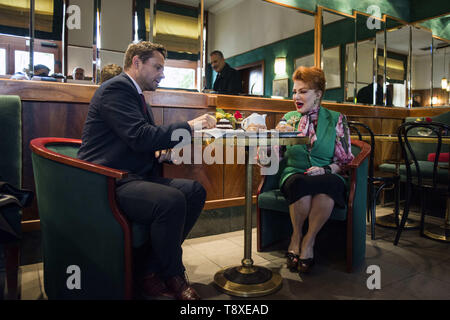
440,233
245,281
388,221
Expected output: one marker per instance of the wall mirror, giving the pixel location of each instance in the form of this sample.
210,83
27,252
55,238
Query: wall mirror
98,40
361,82
252,34
396,74
177,25
174,24
439,95
422,67
334,51
16,41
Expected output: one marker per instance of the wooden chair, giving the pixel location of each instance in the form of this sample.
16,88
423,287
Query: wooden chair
426,176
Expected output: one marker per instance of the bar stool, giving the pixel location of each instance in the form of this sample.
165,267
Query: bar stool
377,183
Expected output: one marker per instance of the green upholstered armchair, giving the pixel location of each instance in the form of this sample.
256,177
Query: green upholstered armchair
81,224
11,172
274,224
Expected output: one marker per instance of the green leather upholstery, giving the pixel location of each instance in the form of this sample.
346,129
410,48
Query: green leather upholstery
11,152
274,223
79,228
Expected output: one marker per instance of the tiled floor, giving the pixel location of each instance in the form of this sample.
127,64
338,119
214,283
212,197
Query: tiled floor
418,268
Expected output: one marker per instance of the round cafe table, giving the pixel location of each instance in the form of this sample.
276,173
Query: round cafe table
247,279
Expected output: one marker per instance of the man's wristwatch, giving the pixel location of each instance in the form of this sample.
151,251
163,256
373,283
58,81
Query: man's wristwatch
327,169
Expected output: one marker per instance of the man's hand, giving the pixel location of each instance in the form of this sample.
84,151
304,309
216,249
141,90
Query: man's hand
207,121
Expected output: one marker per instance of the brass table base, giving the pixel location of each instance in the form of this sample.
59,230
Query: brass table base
253,281
440,233
388,221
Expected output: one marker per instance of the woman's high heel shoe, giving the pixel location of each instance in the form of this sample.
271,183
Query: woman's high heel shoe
305,265
292,261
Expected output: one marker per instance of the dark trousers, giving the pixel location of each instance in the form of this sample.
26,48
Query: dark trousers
170,208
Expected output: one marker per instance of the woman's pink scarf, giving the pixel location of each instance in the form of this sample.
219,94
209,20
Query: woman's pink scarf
307,123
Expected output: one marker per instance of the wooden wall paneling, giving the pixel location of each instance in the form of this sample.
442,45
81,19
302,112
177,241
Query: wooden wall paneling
210,176
41,119
172,115
158,115
390,126
430,112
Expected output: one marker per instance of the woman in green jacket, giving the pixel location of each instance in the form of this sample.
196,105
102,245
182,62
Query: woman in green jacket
310,180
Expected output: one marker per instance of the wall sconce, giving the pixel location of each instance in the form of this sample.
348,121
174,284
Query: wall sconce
444,81
434,100
280,66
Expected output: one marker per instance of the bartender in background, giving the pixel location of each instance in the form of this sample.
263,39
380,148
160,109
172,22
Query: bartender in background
228,80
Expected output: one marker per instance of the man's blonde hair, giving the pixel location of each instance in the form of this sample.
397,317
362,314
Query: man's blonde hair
144,50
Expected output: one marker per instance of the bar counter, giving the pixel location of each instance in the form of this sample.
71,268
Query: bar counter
52,109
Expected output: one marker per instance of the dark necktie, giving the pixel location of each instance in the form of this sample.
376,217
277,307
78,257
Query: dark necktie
144,104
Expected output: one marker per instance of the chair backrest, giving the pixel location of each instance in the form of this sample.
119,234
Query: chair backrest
11,154
423,149
79,224
11,140
356,126
412,134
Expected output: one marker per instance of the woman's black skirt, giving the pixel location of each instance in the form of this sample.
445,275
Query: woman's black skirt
299,185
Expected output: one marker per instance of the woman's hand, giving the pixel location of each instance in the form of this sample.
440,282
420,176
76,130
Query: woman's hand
266,152
163,155
315,171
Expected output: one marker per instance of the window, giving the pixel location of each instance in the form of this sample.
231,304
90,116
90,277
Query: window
22,60
183,78
2,61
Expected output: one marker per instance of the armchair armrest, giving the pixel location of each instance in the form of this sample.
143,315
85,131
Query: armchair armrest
361,156
39,146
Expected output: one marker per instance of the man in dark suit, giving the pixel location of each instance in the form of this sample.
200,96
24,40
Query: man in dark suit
365,94
120,132
228,80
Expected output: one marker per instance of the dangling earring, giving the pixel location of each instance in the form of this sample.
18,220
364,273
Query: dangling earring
316,102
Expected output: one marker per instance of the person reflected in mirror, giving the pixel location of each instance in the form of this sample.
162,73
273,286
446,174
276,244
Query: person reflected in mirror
365,94
110,71
228,80
78,73
310,174
41,70
417,100
120,132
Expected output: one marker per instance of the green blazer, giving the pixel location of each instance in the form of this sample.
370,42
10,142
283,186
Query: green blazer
298,159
